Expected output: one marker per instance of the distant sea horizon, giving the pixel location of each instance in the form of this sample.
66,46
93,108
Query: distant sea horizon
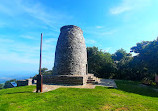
18,75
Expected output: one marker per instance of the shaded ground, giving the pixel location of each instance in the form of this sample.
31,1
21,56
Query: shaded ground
135,87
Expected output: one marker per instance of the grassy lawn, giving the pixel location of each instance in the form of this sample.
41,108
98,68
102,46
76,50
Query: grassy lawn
128,96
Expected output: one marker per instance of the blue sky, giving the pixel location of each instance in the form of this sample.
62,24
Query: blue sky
107,24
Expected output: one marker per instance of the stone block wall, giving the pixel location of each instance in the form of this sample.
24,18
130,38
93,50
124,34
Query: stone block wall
26,82
64,79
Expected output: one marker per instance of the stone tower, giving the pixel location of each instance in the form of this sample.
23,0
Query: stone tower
71,53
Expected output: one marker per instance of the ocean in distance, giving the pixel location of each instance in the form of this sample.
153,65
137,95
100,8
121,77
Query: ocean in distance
18,75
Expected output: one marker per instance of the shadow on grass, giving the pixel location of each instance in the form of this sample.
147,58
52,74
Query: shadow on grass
17,92
134,87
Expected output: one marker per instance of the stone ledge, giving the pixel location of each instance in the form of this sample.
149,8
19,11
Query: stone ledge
25,82
64,79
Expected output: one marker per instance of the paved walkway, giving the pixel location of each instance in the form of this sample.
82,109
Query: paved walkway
103,82
107,83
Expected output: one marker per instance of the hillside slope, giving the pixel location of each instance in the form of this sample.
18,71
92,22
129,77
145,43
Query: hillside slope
128,96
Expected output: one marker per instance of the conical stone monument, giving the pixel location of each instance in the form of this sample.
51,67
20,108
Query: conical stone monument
71,54
70,66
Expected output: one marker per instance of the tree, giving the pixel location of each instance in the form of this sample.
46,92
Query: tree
100,63
120,54
140,47
148,57
43,70
122,60
92,56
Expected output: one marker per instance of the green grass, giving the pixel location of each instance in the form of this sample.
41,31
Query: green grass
128,96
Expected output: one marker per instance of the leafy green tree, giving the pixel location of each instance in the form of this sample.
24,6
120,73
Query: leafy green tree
92,56
123,62
139,48
100,63
43,70
120,54
147,57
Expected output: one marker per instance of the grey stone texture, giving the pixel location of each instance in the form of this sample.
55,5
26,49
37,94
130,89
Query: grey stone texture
70,66
71,54
65,79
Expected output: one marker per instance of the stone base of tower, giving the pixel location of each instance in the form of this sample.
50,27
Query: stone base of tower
70,79
65,79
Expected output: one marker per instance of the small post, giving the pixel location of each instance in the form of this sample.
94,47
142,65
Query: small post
39,84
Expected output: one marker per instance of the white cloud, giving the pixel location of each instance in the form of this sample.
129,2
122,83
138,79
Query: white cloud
129,5
35,11
100,32
110,32
119,10
51,34
24,53
50,40
28,37
89,41
107,49
134,54
17,58
51,18
30,16
99,27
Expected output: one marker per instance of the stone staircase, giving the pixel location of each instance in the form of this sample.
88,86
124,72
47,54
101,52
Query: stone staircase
92,79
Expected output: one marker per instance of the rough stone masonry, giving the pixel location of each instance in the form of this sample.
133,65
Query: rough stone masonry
70,66
71,54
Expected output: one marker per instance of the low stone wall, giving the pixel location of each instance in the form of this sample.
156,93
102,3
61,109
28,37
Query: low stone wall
64,79
26,82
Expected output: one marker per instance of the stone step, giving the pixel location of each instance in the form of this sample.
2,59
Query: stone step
90,80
